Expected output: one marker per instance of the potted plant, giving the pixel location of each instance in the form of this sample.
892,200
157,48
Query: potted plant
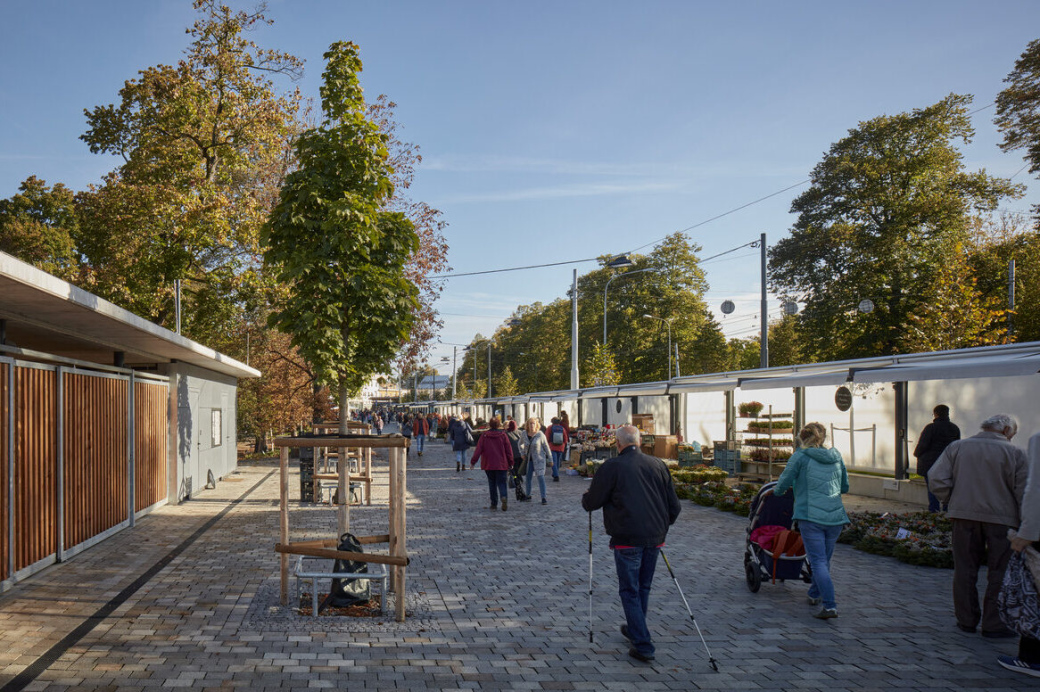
749,409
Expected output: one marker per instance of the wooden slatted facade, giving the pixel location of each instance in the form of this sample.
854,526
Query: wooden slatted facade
35,465
151,437
94,455
5,437
71,467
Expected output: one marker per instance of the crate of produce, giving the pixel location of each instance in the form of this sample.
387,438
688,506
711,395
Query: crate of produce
728,460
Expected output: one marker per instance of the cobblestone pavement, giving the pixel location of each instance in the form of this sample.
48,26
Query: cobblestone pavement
496,600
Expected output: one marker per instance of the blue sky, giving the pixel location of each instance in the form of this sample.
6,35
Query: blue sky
561,130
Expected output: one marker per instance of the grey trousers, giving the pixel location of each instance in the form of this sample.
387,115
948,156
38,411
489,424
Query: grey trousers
977,543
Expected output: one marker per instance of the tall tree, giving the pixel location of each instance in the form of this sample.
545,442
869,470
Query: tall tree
889,206
37,226
1018,109
351,305
205,146
995,246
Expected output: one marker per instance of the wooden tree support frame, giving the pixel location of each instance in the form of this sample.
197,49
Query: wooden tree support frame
364,456
397,536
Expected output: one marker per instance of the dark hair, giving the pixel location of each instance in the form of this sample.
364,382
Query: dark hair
512,426
555,421
942,410
494,423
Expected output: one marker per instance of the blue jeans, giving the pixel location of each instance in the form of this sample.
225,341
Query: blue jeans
541,476
557,458
420,441
497,486
933,501
460,457
819,541
635,570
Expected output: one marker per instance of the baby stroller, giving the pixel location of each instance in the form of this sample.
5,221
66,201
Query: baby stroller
773,550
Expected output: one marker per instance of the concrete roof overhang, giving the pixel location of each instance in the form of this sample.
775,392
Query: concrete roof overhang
44,313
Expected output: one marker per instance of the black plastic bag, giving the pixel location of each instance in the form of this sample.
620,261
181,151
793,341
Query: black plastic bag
351,591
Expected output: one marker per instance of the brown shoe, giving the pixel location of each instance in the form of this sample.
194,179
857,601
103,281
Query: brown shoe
505,504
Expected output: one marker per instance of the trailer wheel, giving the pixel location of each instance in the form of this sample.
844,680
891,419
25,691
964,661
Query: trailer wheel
754,577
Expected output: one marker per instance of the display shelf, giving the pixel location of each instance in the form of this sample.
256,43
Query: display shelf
767,442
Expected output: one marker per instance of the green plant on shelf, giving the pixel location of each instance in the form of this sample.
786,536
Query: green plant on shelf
750,409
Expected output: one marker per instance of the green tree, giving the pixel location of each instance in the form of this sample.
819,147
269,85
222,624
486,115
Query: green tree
601,368
505,383
1018,108
37,226
889,205
351,305
1009,238
205,145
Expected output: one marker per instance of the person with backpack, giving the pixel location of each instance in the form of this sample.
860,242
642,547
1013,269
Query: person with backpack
558,441
819,479
536,455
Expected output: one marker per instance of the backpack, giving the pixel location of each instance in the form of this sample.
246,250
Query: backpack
557,434
348,592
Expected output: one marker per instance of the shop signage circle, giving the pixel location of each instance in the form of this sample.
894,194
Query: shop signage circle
843,399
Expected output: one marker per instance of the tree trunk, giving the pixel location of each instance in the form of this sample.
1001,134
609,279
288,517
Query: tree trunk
344,397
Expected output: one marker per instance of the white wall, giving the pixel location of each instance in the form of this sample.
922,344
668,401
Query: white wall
592,412
871,405
620,417
658,407
972,401
705,417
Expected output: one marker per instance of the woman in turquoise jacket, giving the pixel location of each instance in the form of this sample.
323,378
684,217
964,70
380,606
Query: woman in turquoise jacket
819,479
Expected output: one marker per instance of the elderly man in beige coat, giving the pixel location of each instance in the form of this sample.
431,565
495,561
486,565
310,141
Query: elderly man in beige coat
982,479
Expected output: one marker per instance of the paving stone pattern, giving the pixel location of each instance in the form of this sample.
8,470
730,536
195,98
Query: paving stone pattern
496,600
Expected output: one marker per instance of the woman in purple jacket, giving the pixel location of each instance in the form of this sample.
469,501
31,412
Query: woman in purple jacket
495,454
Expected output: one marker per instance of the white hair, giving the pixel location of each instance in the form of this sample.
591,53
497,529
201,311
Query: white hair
627,435
1000,423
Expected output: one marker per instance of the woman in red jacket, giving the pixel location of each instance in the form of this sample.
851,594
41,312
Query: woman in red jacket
495,454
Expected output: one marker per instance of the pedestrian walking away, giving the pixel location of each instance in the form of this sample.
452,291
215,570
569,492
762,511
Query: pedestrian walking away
558,441
639,503
420,428
1028,536
935,438
819,479
495,455
983,479
461,436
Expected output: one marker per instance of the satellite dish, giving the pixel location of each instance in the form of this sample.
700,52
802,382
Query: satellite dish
866,306
790,308
728,307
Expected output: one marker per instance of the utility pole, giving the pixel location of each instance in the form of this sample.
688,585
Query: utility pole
489,370
574,331
764,345
1011,296
454,370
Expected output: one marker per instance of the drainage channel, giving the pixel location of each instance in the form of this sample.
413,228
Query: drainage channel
48,658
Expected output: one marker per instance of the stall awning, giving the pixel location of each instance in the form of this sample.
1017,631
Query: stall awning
953,369
705,385
809,378
647,389
599,392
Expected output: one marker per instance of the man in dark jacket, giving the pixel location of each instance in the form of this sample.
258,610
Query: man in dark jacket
639,504
935,438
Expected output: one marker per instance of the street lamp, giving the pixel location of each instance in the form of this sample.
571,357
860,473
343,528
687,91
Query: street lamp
617,276
669,323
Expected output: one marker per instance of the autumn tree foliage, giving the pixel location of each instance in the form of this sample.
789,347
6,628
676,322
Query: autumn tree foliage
889,210
39,224
205,145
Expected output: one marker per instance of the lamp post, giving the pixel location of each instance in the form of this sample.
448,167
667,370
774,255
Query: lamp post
669,323
616,276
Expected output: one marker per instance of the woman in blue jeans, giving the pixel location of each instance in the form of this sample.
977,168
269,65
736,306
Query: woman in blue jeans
819,479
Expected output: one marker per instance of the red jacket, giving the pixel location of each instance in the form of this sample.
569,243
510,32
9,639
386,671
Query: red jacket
420,427
496,450
549,437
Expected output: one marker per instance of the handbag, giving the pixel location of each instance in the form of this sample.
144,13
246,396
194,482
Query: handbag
469,437
1018,602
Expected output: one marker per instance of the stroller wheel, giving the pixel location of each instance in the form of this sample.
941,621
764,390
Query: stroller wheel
754,577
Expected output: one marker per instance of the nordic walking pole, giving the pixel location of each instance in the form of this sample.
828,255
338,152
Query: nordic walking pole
590,577
711,659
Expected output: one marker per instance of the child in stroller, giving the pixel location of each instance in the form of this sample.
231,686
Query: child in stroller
773,550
